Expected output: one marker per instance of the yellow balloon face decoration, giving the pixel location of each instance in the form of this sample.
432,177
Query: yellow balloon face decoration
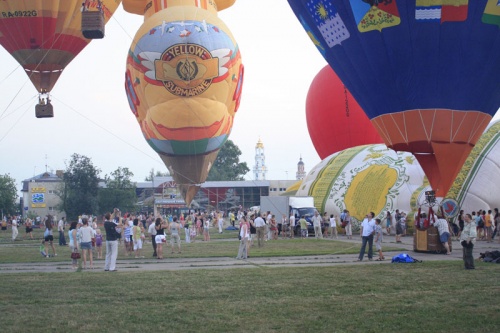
45,36
184,81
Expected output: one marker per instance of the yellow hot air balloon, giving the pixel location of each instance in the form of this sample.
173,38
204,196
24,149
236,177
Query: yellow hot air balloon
183,81
44,36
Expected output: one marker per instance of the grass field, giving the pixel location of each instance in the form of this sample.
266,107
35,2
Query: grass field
434,296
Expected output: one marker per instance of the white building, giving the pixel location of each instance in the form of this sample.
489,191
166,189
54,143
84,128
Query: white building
260,169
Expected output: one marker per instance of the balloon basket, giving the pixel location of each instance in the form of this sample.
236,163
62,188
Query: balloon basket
93,24
44,110
428,241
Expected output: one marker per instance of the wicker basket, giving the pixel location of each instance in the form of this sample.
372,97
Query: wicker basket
44,110
428,241
93,24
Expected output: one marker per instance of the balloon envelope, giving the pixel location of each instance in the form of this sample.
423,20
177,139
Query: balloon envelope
44,36
373,178
425,72
334,119
183,81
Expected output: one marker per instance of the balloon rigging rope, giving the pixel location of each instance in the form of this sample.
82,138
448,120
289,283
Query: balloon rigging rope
106,129
18,119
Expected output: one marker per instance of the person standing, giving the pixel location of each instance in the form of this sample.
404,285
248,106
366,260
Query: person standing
260,226
60,228
15,232
303,227
187,232
325,224
444,233
274,228
29,228
206,230
488,226
348,225
174,234
496,220
232,218
86,243
73,244
252,229
160,226
244,236
152,233
316,220
461,223
367,232
285,228
292,226
467,240
220,221
111,242
136,238
333,227
48,234
280,222
267,227
378,239
388,222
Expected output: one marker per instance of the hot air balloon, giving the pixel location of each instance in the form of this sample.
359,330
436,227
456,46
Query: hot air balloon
45,36
183,81
374,178
425,72
334,119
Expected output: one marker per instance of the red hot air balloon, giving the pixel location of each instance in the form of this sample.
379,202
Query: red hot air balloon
334,119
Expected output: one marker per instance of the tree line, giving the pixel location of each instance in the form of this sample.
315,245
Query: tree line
83,191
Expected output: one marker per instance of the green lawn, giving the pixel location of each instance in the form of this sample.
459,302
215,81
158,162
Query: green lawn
433,296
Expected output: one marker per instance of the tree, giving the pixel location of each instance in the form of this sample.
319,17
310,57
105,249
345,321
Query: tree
227,165
8,194
119,191
79,192
158,173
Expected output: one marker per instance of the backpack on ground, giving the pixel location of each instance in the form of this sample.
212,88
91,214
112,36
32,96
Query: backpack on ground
404,258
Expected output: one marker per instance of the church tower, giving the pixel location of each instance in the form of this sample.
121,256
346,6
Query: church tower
259,170
301,174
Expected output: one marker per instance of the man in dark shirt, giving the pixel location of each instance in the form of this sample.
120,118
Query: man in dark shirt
111,242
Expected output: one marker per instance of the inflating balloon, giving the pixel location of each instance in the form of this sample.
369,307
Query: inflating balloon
45,36
183,81
334,119
374,178
424,71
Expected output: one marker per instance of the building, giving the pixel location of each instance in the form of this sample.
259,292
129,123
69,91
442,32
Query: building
39,195
259,169
301,173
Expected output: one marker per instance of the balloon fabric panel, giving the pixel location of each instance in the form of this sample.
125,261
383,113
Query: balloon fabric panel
334,119
417,64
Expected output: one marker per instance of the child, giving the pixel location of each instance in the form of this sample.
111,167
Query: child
378,239
192,233
98,242
136,238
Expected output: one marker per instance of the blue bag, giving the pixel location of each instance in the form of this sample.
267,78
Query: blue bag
404,258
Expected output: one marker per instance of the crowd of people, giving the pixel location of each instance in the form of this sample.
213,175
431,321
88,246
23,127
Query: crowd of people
255,228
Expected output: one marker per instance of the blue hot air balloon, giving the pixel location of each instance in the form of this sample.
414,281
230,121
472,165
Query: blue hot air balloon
426,72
